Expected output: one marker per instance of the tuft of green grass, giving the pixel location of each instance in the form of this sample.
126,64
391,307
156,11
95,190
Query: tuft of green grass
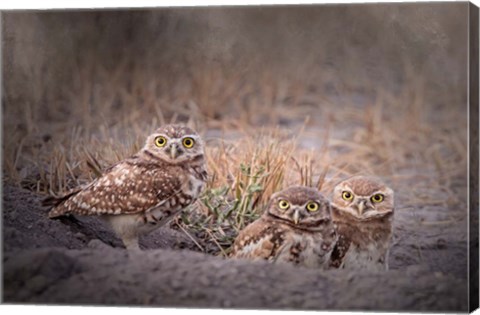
243,176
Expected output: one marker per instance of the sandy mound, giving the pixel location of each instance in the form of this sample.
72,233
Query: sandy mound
82,262
184,278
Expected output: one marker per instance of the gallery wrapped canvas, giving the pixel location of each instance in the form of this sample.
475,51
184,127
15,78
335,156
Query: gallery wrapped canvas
294,157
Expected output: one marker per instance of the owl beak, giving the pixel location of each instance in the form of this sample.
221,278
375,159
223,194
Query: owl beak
361,206
296,217
173,152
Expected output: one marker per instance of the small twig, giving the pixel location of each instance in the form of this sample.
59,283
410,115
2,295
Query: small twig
71,173
191,237
216,243
93,164
18,153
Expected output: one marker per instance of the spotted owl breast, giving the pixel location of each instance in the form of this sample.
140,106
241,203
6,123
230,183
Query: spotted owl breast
316,251
191,188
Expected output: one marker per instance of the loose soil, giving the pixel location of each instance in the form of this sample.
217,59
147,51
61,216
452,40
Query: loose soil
80,261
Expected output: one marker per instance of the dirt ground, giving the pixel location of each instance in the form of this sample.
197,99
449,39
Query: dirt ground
427,268
188,279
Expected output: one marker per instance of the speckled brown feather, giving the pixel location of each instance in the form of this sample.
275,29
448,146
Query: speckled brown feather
122,189
52,201
297,194
264,236
176,130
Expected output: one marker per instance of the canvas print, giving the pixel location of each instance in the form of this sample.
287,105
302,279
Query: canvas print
295,157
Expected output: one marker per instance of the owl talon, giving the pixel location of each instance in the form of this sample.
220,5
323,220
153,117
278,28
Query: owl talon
131,243
152,220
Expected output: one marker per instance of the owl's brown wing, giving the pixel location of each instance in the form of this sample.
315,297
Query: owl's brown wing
259,240
340,249
125,188
52,201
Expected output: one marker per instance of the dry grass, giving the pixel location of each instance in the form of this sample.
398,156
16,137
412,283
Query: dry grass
422,160
310,123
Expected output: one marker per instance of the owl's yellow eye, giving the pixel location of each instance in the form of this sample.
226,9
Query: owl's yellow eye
160,141
312,206
346,195
377,198
188,142
283,204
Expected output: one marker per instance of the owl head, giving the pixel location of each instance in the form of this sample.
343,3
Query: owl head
363,198
301,206
174,144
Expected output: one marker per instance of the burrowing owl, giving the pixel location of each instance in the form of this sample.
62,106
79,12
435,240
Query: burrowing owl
362,210
142,192
295,228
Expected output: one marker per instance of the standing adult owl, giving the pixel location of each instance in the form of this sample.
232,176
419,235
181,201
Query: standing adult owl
362,210
142,192
296,228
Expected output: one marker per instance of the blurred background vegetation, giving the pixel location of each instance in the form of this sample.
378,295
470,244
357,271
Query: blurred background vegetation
81,65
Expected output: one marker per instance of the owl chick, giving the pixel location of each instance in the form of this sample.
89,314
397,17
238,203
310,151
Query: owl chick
296,228
362,210
141,193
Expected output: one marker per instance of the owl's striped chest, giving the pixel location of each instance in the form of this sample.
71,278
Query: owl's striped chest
309,249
